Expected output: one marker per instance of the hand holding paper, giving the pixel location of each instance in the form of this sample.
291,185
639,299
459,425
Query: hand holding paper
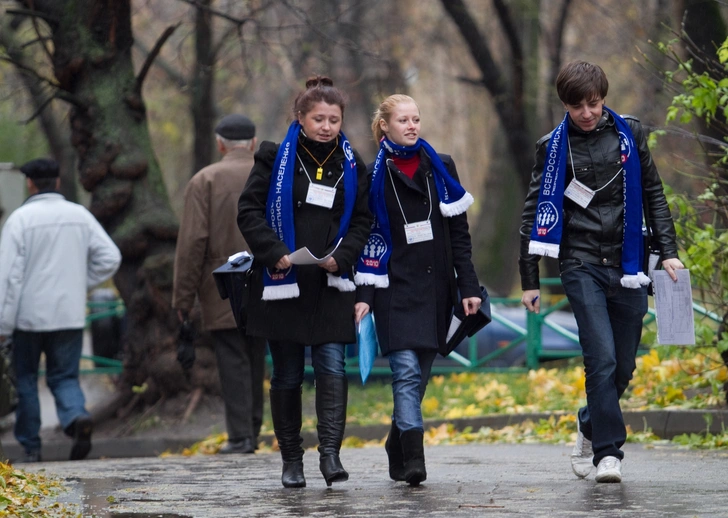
304,256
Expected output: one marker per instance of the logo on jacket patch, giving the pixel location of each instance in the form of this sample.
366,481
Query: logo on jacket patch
546,217
374,250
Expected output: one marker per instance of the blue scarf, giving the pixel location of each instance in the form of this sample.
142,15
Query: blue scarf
547,225
279,214
454,200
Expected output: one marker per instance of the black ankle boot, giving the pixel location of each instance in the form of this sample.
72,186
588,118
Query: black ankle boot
393,447
414,457
331,398
285,408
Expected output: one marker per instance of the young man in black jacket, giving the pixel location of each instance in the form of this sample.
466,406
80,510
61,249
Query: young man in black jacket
592,175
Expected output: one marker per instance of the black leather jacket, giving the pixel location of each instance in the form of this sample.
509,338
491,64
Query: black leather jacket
594,234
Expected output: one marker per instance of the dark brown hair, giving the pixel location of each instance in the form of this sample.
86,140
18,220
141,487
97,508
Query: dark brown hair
579,80
318,89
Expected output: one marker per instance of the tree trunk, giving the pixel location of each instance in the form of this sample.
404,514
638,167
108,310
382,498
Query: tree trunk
202,101
92,63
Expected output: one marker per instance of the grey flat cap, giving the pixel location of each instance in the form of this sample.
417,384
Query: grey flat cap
236,127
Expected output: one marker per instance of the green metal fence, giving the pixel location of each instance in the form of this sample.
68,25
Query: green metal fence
532,335
97,311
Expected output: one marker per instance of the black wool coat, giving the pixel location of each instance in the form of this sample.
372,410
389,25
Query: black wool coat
320,314
414,311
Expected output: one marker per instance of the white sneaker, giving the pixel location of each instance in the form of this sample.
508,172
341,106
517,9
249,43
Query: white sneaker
609,470
582,456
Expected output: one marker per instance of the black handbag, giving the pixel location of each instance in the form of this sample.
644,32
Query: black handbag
469,325
233,282
8,393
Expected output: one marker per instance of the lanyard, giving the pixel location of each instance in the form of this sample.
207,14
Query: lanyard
429,195
309,178
574,170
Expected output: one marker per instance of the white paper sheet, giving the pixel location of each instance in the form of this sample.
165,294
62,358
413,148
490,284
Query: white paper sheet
304,256
674,308
454,324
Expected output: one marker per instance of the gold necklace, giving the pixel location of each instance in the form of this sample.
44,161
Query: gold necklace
320,170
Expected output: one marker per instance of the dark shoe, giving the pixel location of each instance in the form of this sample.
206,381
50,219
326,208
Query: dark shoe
414,457
82,428
393,447
285,409
332,470
31,456
238,446
293,474
331,398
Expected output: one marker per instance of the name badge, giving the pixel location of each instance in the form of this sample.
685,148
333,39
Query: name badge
579,193
321,195
418,232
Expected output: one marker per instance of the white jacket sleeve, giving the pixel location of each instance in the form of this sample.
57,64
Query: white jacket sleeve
12,268
104,257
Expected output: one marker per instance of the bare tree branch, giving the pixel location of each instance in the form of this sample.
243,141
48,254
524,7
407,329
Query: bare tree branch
153,54
168,69
476,42
226,16
39,109
33,14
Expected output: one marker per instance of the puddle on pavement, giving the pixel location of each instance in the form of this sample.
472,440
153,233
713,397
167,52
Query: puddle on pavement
145,515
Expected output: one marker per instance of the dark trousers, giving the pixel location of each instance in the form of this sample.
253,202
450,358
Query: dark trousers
609,317
62,350
241,366
289,362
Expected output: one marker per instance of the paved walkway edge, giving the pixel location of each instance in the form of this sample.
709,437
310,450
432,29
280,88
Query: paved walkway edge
664,423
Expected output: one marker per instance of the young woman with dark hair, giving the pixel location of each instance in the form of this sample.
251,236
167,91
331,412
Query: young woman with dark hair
309,191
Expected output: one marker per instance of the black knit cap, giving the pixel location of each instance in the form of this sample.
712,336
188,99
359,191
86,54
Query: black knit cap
236,127
40,168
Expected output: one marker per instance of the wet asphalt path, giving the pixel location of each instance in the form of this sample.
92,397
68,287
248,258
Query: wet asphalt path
463,481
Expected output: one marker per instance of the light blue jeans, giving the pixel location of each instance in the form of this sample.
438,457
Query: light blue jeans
410,373
62,350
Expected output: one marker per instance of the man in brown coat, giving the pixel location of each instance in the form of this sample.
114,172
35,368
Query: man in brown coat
208,235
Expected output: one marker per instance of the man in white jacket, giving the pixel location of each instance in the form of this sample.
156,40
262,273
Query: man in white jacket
51,252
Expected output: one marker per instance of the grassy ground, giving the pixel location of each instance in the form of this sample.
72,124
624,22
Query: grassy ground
666,378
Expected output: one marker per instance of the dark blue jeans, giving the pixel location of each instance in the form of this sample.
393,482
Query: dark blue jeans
289,362
410,373
610,327
62,350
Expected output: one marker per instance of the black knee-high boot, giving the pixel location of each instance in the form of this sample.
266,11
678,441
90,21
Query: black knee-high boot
285,407
331,399
393,447
414,457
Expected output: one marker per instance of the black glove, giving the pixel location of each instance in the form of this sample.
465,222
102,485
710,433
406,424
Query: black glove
186,346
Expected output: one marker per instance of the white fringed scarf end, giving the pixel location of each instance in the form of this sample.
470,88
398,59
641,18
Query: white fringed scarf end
635,281
286,291
546,249
457,207
340,283
370,279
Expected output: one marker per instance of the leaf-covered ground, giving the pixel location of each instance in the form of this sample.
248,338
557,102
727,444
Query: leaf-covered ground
28,494
665,378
